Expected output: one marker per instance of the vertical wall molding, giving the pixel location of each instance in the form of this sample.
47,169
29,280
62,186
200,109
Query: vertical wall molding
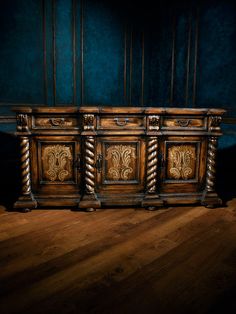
131,66
74,44
143,67
195,57
82,50
45,79
125,64
173,59
54,49
188,58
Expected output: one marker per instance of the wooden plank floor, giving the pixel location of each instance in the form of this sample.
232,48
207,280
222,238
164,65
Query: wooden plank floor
175,260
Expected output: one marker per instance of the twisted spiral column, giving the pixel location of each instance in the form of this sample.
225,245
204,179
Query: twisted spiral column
89,164
152,165
211,163
25,165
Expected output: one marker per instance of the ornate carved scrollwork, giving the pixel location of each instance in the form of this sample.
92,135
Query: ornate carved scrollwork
154,123
181,162
152,165
214,123
211,163
88,122
89,164
25,166
22,123
121,157
55,158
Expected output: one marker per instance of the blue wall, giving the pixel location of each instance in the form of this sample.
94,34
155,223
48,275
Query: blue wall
90,52
61,52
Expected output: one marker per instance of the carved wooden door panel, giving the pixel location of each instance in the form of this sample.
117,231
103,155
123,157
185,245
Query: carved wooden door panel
182,164
120,164
56,164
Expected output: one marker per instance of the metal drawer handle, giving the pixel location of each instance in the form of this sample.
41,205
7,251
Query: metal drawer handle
183,122
121,123
57,121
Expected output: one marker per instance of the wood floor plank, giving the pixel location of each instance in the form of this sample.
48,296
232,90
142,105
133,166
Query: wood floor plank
117,261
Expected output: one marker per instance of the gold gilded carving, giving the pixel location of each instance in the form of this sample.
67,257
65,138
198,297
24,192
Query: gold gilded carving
121,158
181,162
55,158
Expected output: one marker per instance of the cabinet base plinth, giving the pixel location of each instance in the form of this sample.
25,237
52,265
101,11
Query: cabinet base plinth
90,203
25,203
152,202
210,200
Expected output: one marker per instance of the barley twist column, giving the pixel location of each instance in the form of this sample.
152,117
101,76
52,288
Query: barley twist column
151,165
151,199
89,164
210,198
26,201
25,166
89,200
211,164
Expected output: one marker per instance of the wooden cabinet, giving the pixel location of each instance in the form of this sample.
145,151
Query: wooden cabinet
91,157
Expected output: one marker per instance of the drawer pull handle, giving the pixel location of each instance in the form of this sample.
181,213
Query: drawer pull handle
78,162
121,123
57,121
99,163
183,122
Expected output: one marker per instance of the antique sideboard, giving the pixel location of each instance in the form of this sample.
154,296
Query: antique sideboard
90,157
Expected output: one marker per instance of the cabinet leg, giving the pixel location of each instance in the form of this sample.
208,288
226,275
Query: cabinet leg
211,200
90,209
90,203
151,208
152,202
25,203
25,210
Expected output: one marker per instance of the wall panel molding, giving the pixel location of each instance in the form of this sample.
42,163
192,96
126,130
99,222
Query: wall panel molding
44,26
74,43
82,50
54,51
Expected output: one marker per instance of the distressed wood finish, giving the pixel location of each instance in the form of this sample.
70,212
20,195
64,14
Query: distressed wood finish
91,157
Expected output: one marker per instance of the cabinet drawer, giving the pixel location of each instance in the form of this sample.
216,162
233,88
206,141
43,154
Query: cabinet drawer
54,122
184,123
121,122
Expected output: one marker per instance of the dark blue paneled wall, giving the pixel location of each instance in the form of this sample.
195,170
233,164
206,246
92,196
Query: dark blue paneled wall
61,52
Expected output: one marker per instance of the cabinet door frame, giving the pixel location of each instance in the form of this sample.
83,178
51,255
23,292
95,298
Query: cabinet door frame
135,185
183,185
55,186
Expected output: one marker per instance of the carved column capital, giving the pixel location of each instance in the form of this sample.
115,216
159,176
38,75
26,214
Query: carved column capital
153,123
214,123
22,122
88,122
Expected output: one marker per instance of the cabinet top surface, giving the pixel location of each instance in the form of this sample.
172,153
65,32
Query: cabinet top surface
117,110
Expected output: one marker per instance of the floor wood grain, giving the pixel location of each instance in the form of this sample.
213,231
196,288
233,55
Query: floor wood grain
174,260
